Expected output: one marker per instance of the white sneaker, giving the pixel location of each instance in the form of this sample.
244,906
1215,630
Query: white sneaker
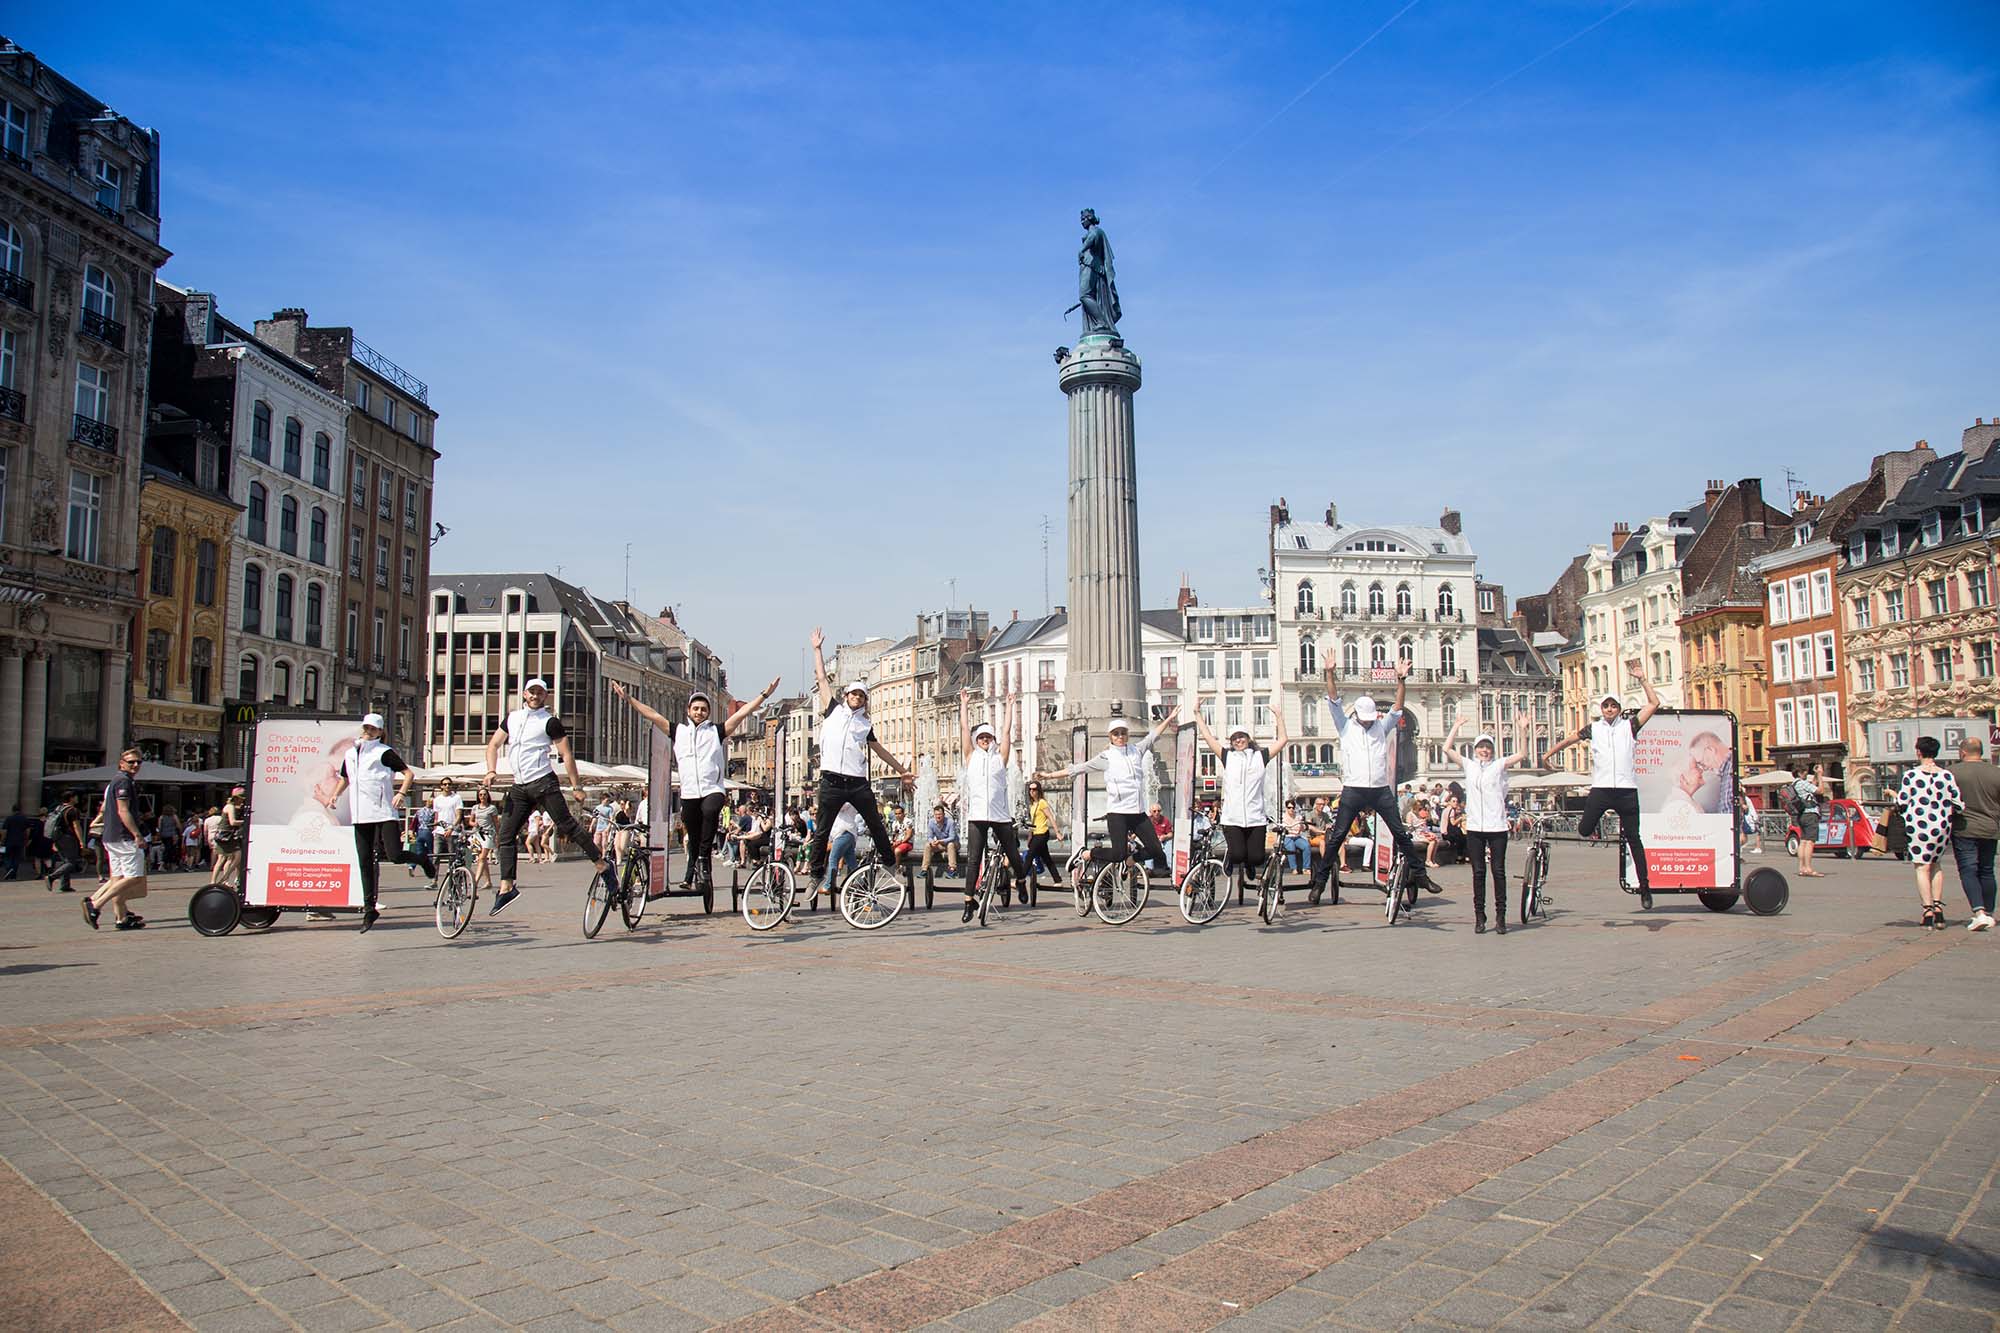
1980,921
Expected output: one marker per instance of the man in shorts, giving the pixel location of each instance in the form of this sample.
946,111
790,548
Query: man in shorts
120,839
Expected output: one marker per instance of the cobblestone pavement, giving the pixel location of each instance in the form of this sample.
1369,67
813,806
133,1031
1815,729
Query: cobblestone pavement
1616,1119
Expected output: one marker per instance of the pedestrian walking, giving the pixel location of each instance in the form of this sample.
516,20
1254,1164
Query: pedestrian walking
1975,828
1809,793
117,829
1929,797
68,838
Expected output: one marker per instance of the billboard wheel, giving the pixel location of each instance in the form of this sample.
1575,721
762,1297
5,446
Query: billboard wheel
1718,902
1766,891
259,918
214,910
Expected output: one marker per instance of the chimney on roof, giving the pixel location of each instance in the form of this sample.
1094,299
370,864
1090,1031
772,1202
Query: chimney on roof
282,329
1451,522
1619,532
1332,514
1711,494
1979,437
1899,465
1186,597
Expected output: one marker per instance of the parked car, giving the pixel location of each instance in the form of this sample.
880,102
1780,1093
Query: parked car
1844,827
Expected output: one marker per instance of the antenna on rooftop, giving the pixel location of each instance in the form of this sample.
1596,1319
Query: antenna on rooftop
1792,488
1045,564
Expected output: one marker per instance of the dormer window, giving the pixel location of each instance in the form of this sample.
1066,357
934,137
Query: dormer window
1969,513
1933,529
1891,540
1857,548
14,128
110,185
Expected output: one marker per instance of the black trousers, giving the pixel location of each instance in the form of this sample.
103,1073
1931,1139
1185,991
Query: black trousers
544,794
1623,802
1359,800
1038,854
1246,846
1124,828
379,842
1478,848
976,833
699,817
836,790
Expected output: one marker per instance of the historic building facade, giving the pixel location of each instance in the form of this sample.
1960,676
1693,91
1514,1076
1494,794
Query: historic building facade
1362,597
1916,590
186,525
79,245
1031,657
383,539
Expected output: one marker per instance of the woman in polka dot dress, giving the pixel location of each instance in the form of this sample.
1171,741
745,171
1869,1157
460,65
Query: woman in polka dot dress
1929,798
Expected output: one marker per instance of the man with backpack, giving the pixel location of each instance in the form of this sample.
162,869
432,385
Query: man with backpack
64,828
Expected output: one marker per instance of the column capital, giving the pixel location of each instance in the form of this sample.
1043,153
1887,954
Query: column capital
12,645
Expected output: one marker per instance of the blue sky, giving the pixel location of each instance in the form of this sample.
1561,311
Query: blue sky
770,293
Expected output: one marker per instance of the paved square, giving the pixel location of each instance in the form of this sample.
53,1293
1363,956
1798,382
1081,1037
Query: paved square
1673,1119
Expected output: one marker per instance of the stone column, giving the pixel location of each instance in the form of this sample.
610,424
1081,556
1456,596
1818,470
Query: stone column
1099,377
10,723
111,704
34,727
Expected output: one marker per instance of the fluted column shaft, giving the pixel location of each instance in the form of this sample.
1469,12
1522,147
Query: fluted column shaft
1100,378
34,727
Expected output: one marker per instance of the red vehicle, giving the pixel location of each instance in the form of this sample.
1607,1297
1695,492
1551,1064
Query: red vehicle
1843,824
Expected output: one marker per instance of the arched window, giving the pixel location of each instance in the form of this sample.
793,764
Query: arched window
1404,603
160,580
1405,651
1306,601
295,435
156,663
288,526
281,682
282,618
322,460
1308,657
1326,754
316,536
1450,713
1447,659
1378,654
1350,657
309,688
1350,602
253,601
260,431
13,255
100,293
1446,603
246,678
256,515
315,613
1376,603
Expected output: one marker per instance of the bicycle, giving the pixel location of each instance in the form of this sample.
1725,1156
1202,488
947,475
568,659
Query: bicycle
873,894
634,872
771,891
1121,889
1271,888
1535,900
456,894
995,879
1205,890
1401,894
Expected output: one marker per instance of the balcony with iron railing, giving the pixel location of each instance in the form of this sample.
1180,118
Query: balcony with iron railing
97,434
1362,615
15,288
13,404
92,324
391,372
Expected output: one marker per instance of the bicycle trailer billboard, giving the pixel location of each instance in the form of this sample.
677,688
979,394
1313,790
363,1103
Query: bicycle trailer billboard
1186,743
1686,766
300,853
660,803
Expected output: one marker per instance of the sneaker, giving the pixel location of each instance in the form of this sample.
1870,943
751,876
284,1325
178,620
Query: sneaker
500,901
132,922
966,915
369,918
1645,900
91,911
608,877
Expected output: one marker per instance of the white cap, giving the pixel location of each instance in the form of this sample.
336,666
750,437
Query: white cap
1364,709
1118,724
374,720
1234,732
851,686
1610,699
1485,739
536,683
985,729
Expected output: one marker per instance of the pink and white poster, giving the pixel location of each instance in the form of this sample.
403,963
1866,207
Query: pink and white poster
300,853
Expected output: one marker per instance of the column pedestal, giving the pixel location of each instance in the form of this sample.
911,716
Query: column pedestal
10,724
34,727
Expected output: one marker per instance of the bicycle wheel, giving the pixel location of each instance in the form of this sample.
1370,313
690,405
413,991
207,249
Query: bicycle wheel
596,906
1080,879
992,882
636,888
1121,892
455,897
767,898
1393,908
1203,893
871,897
1269,888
